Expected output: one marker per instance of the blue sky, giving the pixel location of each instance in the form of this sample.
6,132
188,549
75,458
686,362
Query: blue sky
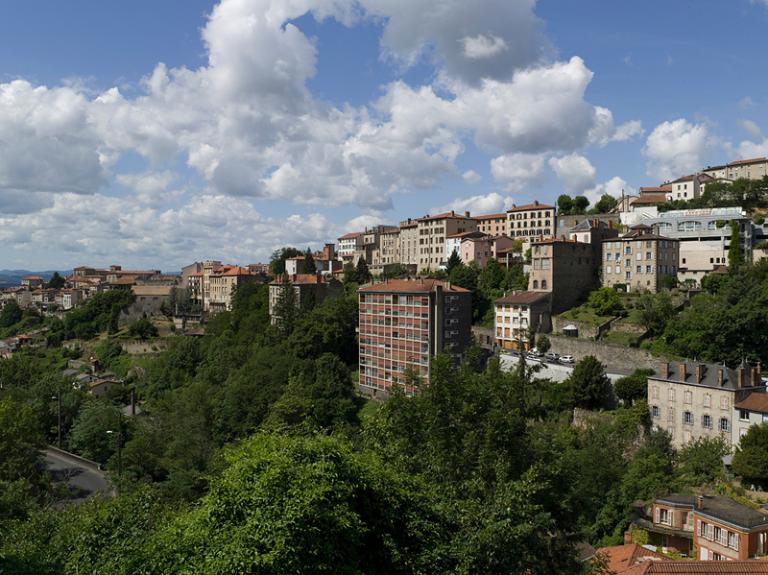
275,122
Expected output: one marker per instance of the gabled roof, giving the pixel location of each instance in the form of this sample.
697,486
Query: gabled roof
522,297
467,235
492,216
722,509
748,161
650,199
754,402
451,214
534,206
655,189
351,236
622,557
698,568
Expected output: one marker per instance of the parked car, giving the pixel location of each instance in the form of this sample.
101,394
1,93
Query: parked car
567,359
534,352
552,356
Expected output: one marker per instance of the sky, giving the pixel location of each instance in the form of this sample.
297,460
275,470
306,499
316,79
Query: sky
154,133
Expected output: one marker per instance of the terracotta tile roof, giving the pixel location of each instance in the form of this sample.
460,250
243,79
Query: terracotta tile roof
748,161
754,402
32,278
299,279
655,189
231,271
351,236
698,568
492,217
523,297
411,286
650,199
622,557
534,206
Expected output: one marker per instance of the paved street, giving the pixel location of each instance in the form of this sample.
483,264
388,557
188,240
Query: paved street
547,369
82,479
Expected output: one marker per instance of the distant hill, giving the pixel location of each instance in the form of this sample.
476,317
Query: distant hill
12,278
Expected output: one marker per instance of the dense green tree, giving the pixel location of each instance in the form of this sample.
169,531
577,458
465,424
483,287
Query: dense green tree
543,344
142,329
308,265
606,302
277,260
580,205
564,204
701,461
751,457
56,281
605,205
328,328
100,313
362,273
350,273
286,310
715,282
11,314
452,262
735,253
89,435
655,311
633,387
591,387
465,276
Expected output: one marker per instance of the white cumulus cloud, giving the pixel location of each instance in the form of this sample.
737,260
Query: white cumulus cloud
676,148
574,171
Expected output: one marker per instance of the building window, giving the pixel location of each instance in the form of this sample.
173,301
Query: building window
655,411
725,425
655,392
743,415
707,400
706,421
535,284
688,397
688,418
671,394
543,284
671,414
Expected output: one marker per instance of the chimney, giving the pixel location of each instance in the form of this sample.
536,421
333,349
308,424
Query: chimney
755,371
627,537
699,372
665,369
741,377
681,373
720,377
699,502
466,214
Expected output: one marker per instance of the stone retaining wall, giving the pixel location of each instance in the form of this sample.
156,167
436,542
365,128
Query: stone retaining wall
617,358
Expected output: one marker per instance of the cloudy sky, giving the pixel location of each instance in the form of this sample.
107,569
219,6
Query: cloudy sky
157,132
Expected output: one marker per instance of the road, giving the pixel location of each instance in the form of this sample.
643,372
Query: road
82,479
547,369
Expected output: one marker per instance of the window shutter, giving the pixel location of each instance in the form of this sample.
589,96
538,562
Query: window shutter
657,515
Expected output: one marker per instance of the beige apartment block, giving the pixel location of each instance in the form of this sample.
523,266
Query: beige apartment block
222,285
349,244
695,400
750,169
493,224
516,314
308,288
534,220
640,260
688,187
409,242
565,268
433,230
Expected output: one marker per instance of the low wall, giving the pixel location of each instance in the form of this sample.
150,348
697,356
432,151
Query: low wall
144,347
617,358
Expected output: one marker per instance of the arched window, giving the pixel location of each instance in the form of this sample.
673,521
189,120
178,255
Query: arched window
543,284
535,284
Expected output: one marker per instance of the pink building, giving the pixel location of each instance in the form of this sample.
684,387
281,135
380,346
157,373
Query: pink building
482,249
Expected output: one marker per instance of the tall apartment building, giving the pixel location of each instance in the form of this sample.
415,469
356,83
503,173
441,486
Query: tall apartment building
409,243
750,169
594,231
209,268
349,244
222,284
565,268
516,314
695,400
640,260
493,224
704,236
531,221
403,323
381,245
432,233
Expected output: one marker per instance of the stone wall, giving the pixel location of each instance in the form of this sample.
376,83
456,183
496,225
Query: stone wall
617,358
137,347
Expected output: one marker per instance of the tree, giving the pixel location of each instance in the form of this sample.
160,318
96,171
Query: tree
564,204
56,281
308,265
751,457
286,309
701,460
715,282
605,302
735,254
362,273
543,344
605,204
11,314
142,329
580,205
633,387
591,387
655,311
89,435
453,261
